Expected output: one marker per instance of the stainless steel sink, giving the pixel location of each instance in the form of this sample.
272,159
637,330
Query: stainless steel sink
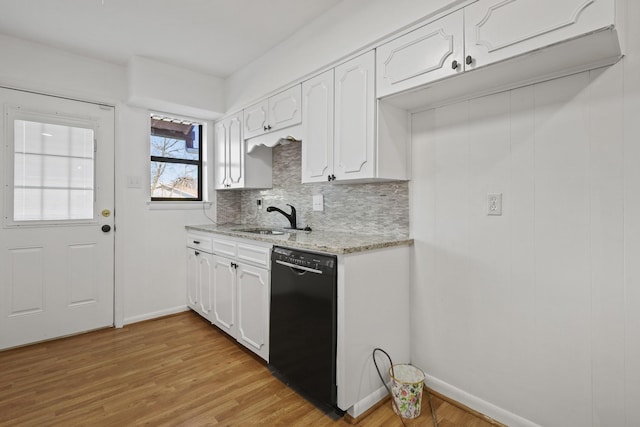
254,230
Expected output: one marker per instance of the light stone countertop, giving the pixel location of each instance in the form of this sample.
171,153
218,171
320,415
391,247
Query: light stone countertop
322,241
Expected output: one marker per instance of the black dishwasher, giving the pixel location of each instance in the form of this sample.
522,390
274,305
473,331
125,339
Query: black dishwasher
302,340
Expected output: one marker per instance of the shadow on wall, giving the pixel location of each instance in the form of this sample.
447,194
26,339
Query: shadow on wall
361,208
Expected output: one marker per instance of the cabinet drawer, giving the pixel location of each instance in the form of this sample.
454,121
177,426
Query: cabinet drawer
257,255
200,241
225,247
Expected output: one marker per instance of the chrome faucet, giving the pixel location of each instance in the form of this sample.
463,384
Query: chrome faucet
291,217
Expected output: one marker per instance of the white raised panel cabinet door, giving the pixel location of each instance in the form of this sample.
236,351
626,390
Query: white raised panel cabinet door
499,29
253,308
255,119
285,109
205,284
354,143
192,279
221,142
317,128
224,300
429,53
236,150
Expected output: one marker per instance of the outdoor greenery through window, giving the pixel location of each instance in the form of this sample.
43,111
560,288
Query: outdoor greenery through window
176,159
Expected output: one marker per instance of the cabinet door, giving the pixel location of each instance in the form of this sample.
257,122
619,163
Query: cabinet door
205,284
236,151
354,144
500,29
285,109
317,128
421,56
255,119
224,291
221,144
192,278
253,309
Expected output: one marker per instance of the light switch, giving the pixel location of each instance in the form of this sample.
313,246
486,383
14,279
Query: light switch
318,202
134,181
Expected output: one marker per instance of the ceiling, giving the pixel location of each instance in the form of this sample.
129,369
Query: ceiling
215,37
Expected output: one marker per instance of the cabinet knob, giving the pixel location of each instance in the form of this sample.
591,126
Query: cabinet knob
469,60
454,64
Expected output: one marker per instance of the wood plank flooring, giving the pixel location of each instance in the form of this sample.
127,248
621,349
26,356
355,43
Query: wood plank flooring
173,371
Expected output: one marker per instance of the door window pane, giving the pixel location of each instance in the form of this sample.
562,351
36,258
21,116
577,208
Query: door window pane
53,172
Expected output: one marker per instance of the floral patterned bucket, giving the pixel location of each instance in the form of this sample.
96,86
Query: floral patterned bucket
406,389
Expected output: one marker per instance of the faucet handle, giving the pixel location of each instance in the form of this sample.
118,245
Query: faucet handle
293,209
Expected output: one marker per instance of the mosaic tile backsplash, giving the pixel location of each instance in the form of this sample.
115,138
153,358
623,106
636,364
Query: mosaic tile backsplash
360,208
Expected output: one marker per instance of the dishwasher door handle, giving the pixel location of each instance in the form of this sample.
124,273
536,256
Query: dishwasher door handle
299,267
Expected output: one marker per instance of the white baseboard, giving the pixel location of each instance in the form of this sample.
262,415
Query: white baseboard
363,405
482,406
153,315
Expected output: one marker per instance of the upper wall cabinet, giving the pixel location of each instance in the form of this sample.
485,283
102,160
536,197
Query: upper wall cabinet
499,29
347,135
429,53
527,40
277,112
234,168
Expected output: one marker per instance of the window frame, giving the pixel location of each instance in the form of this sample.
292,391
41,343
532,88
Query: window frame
14,113
199,163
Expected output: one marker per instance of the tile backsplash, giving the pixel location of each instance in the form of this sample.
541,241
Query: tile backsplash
361,208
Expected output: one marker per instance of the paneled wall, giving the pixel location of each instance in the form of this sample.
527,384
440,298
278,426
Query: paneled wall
522,316
360,208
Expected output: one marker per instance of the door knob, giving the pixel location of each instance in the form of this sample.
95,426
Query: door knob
106,228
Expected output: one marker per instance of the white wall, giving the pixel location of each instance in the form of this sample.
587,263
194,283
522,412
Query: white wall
349,26
533,317
150,250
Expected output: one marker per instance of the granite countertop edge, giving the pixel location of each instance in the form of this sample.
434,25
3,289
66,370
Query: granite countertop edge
321,241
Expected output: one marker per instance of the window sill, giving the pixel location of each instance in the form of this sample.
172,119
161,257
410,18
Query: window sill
177,206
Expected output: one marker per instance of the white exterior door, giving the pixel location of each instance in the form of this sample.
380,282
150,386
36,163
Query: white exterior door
56,238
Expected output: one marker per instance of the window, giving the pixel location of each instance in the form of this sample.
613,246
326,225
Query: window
53,171
176,159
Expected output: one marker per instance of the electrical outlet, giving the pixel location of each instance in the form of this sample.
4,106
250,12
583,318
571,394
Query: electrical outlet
318,203
259,203
134,181
494,204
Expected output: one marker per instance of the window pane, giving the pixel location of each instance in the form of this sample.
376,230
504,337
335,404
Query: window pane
174,180
53,172
36,204
174,148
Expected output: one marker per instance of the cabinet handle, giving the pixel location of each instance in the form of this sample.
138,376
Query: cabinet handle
454,64
196,242
264,128
469,60
268,127
328,177
197,253
333,177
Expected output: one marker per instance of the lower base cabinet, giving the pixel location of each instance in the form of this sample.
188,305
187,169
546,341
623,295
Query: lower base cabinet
231,289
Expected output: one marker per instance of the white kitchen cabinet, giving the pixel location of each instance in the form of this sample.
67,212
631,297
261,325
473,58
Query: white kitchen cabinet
353,138
505,44
277,112
253,292
496,29
317,128
234,167
224,295
199,275
240,295
432,52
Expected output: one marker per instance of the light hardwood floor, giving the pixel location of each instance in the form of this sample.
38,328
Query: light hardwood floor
173,371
